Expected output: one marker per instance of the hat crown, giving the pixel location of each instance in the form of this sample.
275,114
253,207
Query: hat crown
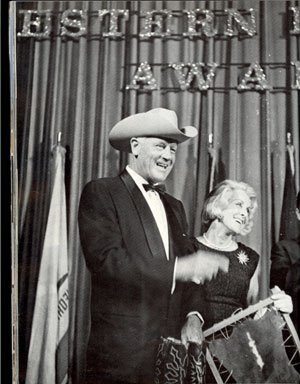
164,114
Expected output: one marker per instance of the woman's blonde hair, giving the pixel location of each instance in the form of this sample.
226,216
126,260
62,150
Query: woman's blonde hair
218,200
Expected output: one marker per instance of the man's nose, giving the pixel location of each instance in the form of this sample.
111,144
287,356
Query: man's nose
167,154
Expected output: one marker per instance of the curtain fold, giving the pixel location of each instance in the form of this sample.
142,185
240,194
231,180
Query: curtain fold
78,87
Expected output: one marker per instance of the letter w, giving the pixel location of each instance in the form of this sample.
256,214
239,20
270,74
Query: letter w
195,71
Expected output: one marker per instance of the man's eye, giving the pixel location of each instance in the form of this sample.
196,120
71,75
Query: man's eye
173,150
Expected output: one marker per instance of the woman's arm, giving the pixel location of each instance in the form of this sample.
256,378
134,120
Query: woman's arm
252,295
282,301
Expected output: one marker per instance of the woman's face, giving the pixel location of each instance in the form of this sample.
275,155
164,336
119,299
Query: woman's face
236,215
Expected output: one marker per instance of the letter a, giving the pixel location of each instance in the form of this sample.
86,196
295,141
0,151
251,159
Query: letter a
254,79
143,77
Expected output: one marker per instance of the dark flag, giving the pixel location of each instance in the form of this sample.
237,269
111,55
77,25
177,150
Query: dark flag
289,225
216,170
216,166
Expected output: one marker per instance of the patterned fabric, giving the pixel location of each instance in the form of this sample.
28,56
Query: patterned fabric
228,291
177,365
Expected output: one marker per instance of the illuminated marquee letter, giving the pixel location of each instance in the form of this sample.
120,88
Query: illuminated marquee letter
297,74
143,77
115,14
296,21
39,27
254,79
206,24
248,27
74,23
157,24
196,70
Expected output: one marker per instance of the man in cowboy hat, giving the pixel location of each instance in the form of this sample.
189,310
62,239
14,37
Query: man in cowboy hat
134,241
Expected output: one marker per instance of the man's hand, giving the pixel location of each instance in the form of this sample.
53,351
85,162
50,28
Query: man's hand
192,331
200,266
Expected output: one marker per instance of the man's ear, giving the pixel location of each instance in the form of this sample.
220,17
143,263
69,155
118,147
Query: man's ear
135,146
298,214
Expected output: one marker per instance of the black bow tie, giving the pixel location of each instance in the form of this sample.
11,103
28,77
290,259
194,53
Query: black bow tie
160,188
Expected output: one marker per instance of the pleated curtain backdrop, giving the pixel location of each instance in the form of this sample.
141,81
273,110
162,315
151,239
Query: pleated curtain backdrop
78,87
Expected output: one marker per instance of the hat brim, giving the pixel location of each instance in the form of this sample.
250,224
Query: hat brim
138,126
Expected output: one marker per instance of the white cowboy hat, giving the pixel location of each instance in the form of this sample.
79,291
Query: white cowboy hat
158,122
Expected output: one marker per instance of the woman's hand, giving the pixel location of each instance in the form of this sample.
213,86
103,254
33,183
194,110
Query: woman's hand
282,301
192,331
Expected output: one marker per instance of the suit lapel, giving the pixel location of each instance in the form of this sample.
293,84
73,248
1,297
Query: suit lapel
176,231
148,222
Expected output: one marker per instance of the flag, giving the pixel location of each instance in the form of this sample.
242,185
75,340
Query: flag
216,174
289,225
216,168
48,350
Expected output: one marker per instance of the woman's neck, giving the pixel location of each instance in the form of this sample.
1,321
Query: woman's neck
218,238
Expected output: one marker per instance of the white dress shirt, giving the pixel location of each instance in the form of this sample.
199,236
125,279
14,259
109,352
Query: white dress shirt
156,205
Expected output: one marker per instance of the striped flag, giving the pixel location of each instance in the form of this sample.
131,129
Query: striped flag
289,225
48,349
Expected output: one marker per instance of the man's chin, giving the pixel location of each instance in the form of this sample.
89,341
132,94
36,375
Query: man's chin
160,178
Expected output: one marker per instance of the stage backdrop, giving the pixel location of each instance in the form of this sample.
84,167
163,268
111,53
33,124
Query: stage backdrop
80,71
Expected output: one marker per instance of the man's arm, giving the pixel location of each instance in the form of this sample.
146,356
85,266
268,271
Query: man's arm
104,246
200,266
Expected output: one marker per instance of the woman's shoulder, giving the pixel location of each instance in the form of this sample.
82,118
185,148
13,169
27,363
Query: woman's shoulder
250,251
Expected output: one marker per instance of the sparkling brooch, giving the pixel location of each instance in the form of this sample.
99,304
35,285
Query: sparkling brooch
242,257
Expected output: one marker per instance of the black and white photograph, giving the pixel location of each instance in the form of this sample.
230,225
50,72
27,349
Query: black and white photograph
155,191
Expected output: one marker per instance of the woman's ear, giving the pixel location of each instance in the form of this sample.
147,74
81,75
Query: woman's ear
220,217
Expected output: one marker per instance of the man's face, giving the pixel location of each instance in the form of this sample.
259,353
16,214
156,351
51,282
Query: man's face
155,157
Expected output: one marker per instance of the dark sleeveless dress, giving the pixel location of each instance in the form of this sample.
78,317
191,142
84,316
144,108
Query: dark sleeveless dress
227,292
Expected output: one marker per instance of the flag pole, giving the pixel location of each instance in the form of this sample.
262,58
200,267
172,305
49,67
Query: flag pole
210,122
290,149
59,138
212,154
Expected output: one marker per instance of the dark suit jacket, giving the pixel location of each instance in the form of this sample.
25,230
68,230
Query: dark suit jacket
285,272
131,302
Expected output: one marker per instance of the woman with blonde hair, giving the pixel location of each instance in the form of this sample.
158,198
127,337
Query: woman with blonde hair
228,212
